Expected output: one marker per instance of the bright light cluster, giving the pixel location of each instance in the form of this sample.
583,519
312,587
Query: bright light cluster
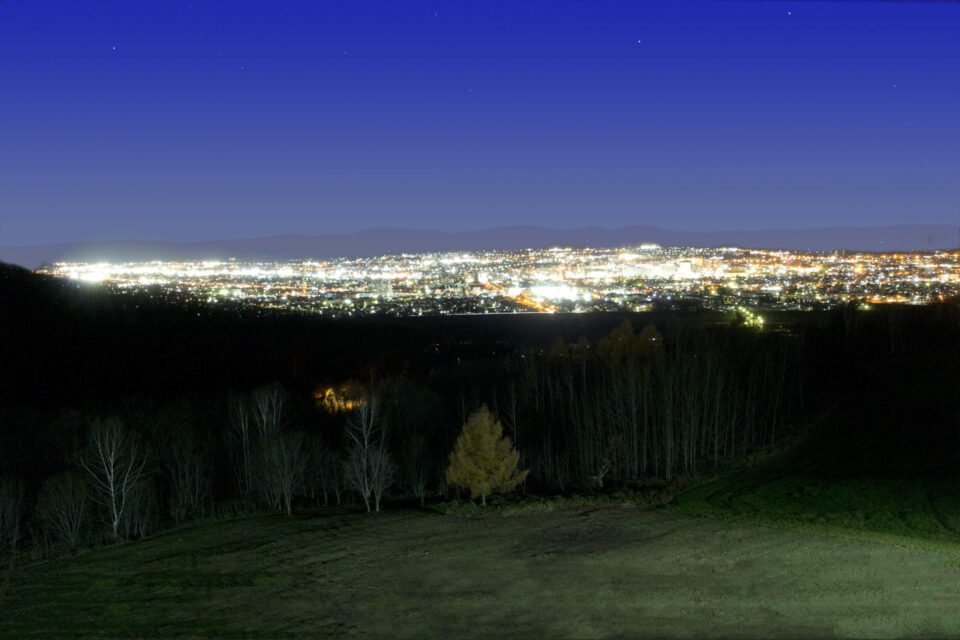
542,280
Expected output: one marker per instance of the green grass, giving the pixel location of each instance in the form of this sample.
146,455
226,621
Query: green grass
786,492
578,571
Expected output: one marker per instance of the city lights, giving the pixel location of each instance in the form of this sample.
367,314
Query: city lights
542,280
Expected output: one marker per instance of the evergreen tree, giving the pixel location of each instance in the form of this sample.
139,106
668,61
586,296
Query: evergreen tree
483,459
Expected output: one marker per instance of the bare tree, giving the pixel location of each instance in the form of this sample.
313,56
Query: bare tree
240,419
141,515
325,474
189,477
334,479
415,466
116,467
62,507
361,432
268,405
276,460
383,472
356,474
368,468
283,462
602,472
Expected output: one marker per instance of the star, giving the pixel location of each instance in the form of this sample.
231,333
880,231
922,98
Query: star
114,47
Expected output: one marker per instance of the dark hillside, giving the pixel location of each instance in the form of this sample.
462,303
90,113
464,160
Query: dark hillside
886,385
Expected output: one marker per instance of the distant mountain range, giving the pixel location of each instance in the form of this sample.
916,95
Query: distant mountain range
372,242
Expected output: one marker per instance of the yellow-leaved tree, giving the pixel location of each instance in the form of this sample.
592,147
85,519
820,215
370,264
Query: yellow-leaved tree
483,460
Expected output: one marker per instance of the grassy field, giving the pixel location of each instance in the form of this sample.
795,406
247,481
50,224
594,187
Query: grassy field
575,572
790,493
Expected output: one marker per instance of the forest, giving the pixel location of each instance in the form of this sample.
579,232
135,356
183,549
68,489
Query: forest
121,417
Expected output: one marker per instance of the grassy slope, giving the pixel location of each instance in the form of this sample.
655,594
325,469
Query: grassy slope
788,491
575,572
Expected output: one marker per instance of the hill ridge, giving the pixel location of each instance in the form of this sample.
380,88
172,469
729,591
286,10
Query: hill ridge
388,240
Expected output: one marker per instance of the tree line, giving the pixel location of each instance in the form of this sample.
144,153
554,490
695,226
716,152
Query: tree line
584,415
630,406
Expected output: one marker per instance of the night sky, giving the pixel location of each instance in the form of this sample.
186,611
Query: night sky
199,120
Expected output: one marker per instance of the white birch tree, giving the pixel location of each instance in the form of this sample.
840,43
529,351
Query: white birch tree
369,469
115,466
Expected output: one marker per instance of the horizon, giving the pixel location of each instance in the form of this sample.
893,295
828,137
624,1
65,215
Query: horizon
383,241
190,119
537,227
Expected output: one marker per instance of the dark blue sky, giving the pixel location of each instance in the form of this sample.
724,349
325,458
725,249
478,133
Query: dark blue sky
213,119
